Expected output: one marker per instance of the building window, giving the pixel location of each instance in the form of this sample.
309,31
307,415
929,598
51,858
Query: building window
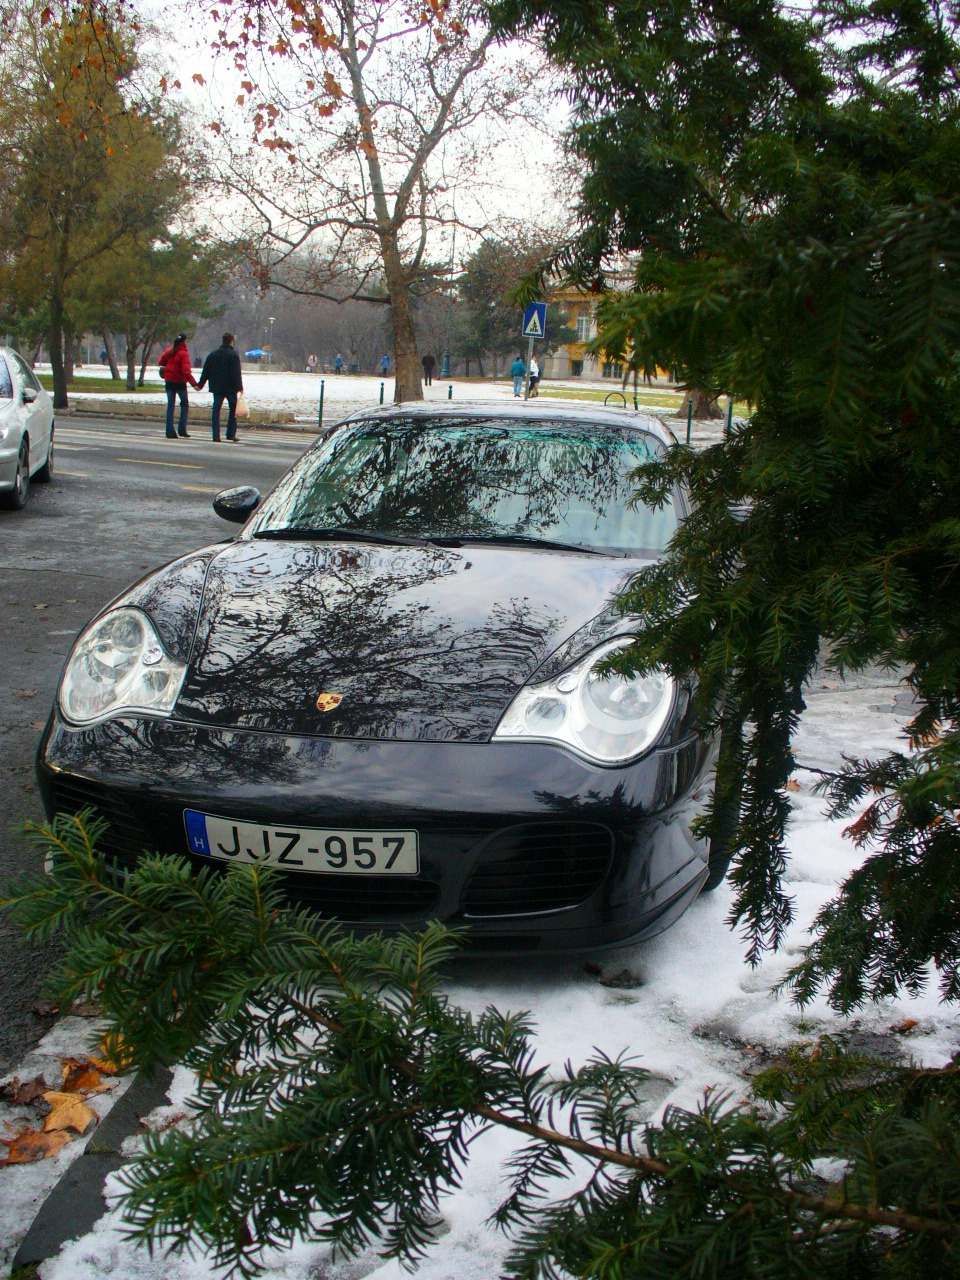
576,368
612,369
583,326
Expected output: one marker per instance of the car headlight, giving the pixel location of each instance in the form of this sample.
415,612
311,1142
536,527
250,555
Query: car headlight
608,719
119,665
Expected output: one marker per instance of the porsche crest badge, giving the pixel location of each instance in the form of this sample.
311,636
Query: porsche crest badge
327,701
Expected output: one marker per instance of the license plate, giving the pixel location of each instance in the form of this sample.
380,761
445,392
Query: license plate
331,850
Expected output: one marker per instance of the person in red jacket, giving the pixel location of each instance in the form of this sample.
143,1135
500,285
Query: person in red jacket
176,373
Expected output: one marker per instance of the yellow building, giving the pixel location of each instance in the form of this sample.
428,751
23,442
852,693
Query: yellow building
572,359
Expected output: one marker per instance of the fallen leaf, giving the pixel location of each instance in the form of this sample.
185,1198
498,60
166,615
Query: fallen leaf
79,1075
84,1009
906,1025
793,785
33,1144
69,1111
113,1057
21,1095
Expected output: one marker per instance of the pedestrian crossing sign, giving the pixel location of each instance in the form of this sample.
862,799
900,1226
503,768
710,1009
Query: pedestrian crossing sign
535,320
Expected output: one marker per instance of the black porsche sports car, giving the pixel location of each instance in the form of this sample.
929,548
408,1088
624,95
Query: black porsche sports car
386,686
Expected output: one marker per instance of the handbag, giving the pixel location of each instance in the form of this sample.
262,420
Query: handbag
243,409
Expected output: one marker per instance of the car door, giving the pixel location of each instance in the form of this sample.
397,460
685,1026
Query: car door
36,413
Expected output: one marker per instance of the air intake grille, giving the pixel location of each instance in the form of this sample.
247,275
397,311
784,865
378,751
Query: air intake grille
126,837
536,867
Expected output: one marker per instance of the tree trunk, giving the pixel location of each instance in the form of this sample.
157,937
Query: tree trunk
704,409
55,343
149,343
111,356
407,379
132,345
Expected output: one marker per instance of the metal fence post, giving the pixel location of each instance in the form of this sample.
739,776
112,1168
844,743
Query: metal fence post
729,414
450,391
689,417
320,413
381,393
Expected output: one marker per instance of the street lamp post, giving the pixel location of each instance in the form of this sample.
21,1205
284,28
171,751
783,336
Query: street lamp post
270,348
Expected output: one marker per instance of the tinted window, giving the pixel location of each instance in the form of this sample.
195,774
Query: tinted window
6,383
461,477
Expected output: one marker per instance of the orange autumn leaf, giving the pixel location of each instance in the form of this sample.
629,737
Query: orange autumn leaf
793,785
34,1144
79,1075
69,1112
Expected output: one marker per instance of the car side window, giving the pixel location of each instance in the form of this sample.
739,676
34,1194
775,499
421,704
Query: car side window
30,379
6,382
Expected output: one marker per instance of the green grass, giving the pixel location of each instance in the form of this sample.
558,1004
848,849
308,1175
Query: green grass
114,385
615,397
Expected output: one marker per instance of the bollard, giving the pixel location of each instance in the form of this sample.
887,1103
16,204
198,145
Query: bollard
729,414
320,414
381,393
450,391
689,417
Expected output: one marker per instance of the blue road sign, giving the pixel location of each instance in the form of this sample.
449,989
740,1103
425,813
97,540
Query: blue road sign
535,320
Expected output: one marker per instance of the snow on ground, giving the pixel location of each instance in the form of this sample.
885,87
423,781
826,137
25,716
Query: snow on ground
685,1005
298,394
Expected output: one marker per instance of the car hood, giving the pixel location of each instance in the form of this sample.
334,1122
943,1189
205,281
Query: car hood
416,643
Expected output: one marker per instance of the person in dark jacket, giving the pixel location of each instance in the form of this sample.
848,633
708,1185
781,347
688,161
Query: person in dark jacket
221,370
176,373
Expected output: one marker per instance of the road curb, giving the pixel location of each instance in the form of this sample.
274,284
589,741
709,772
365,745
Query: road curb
76,1203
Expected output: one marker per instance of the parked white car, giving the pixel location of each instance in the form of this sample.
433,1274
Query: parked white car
26,430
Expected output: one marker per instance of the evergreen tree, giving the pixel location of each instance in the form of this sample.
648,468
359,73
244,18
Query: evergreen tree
338,1092
788,181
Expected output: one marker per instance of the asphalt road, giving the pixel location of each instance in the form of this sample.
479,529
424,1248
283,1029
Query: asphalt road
123,501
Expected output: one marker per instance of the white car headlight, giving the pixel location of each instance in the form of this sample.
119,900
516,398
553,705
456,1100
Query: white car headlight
119,665
608,719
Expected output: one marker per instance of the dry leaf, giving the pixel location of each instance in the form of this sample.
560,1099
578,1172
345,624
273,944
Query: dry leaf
33,1144
906,1025
793,785
69,1112
21,1095
79,1075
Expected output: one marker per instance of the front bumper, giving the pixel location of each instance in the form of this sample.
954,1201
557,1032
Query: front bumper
528,847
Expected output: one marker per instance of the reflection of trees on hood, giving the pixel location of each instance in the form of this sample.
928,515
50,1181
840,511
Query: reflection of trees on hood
279,627
472,477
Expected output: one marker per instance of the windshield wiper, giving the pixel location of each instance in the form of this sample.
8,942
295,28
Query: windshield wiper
528,540
334,533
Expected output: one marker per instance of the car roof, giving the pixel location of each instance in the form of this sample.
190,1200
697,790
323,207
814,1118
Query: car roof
582,413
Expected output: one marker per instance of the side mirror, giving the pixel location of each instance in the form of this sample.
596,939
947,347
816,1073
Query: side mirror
236,505
30,394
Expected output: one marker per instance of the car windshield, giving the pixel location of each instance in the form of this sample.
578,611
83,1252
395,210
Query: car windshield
467,480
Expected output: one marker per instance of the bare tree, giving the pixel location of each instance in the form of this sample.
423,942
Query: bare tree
368,113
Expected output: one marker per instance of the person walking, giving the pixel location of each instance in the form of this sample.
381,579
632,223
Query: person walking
385,365
534,376
428,363
517,372
222,370
338,363
176,373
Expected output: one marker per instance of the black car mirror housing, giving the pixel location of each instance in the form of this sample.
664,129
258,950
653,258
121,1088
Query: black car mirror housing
236,505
